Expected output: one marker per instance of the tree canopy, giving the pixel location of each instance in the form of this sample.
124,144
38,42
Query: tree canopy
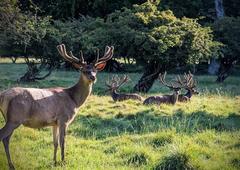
163,33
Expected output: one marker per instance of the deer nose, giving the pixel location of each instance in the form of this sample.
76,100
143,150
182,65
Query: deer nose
93,78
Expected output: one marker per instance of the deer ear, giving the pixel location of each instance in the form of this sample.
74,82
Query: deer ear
101,66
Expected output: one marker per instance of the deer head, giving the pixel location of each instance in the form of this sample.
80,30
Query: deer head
171,86
116,82
188,83
89,71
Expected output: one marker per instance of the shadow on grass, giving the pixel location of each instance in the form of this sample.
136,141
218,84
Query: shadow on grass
146,122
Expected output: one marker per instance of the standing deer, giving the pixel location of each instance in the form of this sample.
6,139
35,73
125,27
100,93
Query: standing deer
114,85
168,99
56,107
188,84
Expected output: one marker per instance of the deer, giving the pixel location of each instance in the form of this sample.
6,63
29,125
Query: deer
114,85
54,107
167,99
188,84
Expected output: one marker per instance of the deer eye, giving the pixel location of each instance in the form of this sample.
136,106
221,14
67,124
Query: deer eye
86,72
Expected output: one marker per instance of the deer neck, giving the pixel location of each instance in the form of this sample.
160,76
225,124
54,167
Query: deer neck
80,91
115,94
174,98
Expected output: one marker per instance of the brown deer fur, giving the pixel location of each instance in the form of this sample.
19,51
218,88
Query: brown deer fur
114,85
56,107
167,99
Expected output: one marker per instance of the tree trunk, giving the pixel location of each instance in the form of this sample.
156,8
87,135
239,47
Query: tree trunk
33,72
114,66
13,59
149,76
213,66
225,69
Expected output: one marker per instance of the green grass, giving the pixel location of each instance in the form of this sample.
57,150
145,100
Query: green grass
202,134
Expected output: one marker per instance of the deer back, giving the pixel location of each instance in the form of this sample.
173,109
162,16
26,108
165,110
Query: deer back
114,85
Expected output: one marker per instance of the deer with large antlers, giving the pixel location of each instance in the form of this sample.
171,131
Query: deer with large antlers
188,84
55,107
167,99
114,85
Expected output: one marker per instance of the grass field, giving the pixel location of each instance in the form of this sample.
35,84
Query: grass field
201,134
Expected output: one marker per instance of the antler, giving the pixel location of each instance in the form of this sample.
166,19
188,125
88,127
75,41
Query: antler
116,82
123,80
107,56
71,58
162,80
188,81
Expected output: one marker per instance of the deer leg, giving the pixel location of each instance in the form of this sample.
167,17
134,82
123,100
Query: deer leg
62,130
5,135
55,143
6,147
7,130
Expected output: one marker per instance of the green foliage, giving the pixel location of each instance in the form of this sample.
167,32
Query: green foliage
143,33
66,9
227,31
27,34
152,35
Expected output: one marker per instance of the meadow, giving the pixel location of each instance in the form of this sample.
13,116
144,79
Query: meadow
201,134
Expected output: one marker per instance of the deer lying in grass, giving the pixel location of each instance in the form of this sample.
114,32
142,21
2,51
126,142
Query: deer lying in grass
114,85
188,84
168,99
56,107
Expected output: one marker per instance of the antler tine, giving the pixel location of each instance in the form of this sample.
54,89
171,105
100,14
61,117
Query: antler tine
71,58
63,53
107,56
81,56
114,80
172,85
162,80
123,80
97,57
118,79
107,83
179,80
191,80
193,83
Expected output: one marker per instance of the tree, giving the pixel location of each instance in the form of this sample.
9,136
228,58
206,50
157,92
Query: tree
227,31
26,34
157,37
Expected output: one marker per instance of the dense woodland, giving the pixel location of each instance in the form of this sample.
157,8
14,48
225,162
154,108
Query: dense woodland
155,35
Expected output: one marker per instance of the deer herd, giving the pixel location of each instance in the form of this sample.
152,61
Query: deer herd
57,107
187,83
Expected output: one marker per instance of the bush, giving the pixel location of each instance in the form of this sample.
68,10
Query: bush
175,161
162,140
137,159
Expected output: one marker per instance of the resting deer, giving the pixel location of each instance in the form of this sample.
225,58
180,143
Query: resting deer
56,107
114,85
188,84
168,99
